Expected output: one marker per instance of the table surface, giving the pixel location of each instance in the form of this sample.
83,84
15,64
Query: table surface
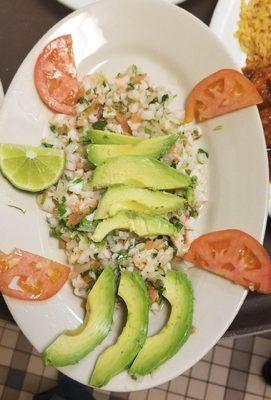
22,24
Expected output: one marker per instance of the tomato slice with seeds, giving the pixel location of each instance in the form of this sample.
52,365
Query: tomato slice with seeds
27,276
220,93
55,76
235,255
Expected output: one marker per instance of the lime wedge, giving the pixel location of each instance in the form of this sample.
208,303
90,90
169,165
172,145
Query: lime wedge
31,168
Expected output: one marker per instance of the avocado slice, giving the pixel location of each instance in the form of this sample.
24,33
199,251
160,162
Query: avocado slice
141,224
154,148
70,347
118,357
162,346
107,137
121,197
138,171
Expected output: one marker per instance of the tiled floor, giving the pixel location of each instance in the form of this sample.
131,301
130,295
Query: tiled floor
230,371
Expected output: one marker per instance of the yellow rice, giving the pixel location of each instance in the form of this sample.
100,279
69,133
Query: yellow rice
254,32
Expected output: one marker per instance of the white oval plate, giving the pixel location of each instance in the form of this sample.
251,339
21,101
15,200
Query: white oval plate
76,4
224,24
110,35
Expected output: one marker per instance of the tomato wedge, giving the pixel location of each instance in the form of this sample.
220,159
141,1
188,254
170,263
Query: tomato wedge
55,76
235,255
37,278
220,93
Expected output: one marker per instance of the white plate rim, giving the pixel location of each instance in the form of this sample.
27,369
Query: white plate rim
72,4
262,225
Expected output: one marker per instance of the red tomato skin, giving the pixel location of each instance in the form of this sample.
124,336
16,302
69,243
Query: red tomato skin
235,255
222,101
66,87
25,265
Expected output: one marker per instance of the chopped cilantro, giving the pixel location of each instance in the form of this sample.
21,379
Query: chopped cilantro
101,243
194,181
155,100
83,100
134,69
131,86
217,128
23,211
201,151
195,134
48,145
85,226
89,92
62,208
78,180
193,212
165,97
52,128
100,124
122,257
177,224
148,131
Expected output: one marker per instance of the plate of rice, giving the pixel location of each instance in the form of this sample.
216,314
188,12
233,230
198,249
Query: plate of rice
244,28
137,77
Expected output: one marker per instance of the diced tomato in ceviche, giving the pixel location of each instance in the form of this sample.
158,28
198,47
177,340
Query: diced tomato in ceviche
27,276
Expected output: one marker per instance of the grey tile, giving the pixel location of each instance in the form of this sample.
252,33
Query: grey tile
231,394
23,344
31,383
237,380
244,344
10,394
3,374
120,395
47,384
214,392
15,378
256,364
20,360
240,360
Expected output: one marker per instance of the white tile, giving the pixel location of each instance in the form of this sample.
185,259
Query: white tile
141,395
222,356
172,396
215,392
200,370
256,364
249,396
156,394
208,356
196,389
255,385
262,346
35,365
179,385
227,342
13,327
6,355
99,395
9,338
50,372
219,375
268,391
164,386
25,396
